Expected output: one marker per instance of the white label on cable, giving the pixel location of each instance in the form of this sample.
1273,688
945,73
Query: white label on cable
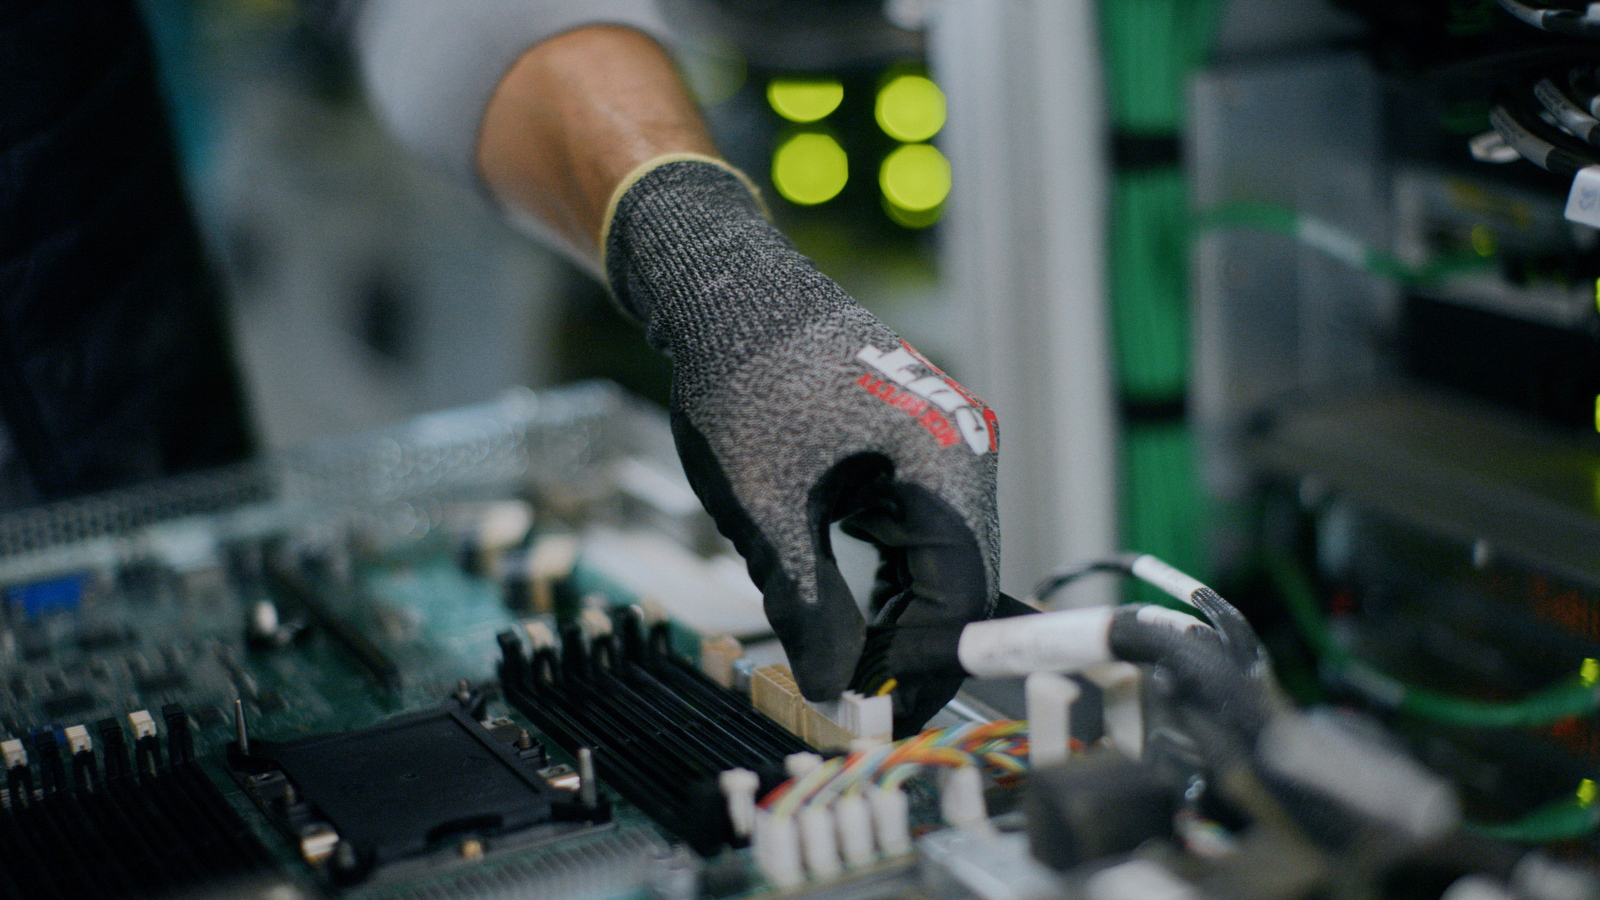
1583,201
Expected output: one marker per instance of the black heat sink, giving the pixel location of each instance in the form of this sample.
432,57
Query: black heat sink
94,825
660,731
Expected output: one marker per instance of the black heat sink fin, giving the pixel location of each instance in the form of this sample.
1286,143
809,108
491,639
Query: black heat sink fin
661,732
146,834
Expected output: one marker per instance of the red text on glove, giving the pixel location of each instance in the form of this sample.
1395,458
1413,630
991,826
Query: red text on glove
924,392
926,415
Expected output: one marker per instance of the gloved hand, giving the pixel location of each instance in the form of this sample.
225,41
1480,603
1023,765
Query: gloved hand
793,407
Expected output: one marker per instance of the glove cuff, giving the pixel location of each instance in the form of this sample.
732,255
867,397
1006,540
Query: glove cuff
715,180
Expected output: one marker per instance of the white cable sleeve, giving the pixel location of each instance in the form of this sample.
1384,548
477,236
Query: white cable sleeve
1063,641
1176,619
1321,752
1168,580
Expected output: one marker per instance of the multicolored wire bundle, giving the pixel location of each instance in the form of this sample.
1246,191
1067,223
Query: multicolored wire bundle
1000,747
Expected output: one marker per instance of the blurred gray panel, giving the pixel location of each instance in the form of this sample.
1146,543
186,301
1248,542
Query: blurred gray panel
1022,258
1273,316
1455,468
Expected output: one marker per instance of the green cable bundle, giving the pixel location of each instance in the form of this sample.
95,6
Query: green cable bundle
1150,48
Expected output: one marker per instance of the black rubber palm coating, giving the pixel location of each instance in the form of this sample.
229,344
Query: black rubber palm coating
793,407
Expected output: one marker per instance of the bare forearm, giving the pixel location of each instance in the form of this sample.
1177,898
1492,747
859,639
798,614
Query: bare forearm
575,115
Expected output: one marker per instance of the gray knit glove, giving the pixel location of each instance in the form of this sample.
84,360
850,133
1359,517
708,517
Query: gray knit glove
793,407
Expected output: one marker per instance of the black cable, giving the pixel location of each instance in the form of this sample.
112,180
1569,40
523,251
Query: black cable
1122,565
1537,142
1572,118
1566,22
1583,86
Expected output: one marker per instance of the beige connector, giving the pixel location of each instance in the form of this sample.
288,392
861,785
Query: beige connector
552,560
717,656
774,692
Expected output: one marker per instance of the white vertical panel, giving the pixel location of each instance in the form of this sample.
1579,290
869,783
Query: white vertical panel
1024,264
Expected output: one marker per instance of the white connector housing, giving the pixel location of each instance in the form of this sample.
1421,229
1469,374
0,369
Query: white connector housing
1139,879
1124,714
853,820
961,798
820,843
540,635
776,843
867,717
1476,887
596,624
1538,877
891,820
799,765
1329,756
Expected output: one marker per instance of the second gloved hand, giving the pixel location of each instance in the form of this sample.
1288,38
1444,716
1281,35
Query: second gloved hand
793,407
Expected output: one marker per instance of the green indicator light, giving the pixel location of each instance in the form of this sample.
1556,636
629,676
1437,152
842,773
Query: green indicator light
1597,412
1589,672
910,108
915,178
1483,241
906,218
804,99
1597,295
810,168
1586,792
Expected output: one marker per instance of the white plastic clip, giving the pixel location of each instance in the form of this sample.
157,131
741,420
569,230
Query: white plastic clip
799,765
142,723
1049,699
78,739
1583,201
739,787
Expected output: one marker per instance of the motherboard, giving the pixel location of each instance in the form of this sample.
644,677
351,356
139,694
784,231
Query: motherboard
500,652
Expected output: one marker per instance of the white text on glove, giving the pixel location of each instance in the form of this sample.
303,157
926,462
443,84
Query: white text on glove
905,367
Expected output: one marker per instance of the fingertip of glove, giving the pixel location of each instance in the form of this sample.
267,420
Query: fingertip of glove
823,686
